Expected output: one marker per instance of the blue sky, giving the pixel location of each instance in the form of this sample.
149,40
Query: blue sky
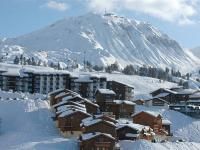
180,19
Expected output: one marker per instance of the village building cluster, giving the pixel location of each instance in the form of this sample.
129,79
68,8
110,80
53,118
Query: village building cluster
101,122
186,101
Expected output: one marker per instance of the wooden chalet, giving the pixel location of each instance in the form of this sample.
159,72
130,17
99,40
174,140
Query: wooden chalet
53,94
151,119
104,97
131,131
101,116
139,102
122,108
69,122
97,141
159,102
99,125
61,95
166,125
123,91
174,95
91,107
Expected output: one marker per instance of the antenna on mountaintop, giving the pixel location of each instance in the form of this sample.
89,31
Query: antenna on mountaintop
105,11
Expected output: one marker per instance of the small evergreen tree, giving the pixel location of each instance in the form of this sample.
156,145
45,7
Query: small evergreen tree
129,70
16,60
97,68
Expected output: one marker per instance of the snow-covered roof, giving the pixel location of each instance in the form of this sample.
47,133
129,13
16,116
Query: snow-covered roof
166,122
124,102
89,136
165,90
90,102
186,91
131,125
69,112
195,95
61,94
194,101
97,117
160,99
126,84
161,95
66,100
56,91
22,70
152,113
132,135
95,121
106,91
68,107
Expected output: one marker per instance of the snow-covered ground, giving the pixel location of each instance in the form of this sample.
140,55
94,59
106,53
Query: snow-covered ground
27,124
145,145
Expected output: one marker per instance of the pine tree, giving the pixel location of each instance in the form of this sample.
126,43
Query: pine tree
16,60
29,62
21,59
33,61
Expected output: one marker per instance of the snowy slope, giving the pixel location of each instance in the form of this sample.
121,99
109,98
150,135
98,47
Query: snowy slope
26,125
107,38
142,85
145,145
196,52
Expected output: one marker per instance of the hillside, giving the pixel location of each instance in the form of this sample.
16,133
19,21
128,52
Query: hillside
27,125
196,52
107,38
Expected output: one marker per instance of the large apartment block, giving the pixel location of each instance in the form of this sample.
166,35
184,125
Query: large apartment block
36,79
33,80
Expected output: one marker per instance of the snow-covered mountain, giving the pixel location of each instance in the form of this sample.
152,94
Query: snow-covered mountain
103,39
196,51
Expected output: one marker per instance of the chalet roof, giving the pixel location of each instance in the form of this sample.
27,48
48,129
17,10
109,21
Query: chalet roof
194,101
165,90
152,113
186,92
90,102
161,95
124,102
160,99
65,102
132,135
176,88
69,97
89,136
123,83
166,122
56,91
106,91
95,121
98,117
134,126
67,107
61,94
195,95
72,111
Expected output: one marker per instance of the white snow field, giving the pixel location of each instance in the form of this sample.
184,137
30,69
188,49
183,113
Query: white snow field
27,125
26,122
142,85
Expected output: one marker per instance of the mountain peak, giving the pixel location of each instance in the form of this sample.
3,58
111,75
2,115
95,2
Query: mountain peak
107,38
